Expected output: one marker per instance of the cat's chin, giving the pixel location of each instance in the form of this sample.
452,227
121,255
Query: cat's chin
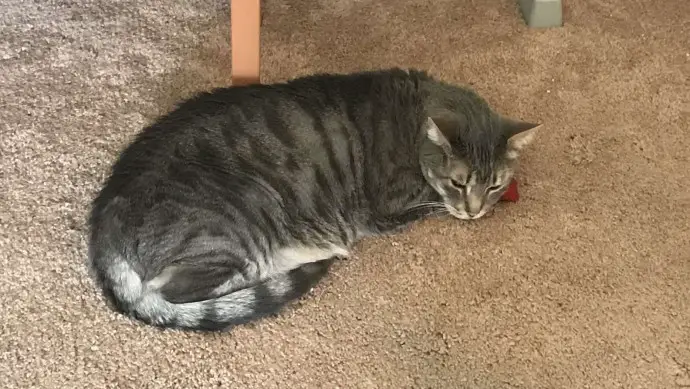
462,215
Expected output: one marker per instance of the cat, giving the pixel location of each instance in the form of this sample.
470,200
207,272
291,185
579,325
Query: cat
239,200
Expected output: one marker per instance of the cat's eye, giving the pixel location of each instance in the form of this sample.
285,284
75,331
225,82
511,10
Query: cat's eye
457,183
495,187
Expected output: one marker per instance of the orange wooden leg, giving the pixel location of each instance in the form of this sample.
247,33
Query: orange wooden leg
245,22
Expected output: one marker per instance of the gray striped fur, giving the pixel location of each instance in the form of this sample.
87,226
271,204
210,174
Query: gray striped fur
237,201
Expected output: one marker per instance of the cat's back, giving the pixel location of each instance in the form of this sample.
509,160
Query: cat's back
231,117
289,134
219,140
232,125
270,115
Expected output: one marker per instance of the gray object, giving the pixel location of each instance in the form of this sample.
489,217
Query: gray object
542,13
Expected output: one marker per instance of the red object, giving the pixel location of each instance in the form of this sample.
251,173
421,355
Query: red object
512,193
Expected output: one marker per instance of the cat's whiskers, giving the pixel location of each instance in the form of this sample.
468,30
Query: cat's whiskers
427,204
435,208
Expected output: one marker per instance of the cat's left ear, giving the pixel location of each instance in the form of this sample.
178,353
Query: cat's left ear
519,135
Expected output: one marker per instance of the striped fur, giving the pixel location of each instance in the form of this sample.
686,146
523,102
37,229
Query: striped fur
237,201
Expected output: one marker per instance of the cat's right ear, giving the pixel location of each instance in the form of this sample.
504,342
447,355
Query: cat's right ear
434,134
435,152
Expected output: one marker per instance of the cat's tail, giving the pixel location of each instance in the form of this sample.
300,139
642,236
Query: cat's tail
135,298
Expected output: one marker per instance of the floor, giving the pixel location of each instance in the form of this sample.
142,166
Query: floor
584,283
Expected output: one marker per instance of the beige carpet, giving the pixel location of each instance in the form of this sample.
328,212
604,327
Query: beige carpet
585,283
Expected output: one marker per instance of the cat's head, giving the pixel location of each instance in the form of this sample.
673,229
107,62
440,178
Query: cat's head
470,161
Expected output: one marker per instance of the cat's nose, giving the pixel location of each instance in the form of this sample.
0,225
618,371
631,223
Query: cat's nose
473,206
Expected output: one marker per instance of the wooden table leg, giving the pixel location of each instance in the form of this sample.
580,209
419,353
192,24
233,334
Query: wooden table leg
245,22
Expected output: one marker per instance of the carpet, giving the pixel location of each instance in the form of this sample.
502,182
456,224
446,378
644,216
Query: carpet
584,283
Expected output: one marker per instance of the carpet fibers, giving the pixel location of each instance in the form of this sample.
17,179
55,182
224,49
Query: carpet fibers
584,283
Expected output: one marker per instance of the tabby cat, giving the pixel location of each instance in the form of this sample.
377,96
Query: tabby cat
238,201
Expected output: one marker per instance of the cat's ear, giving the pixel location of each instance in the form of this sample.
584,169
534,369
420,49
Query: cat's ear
435,152
519,134
436,136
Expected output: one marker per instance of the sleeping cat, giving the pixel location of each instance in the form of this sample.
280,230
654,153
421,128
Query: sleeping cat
237,201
